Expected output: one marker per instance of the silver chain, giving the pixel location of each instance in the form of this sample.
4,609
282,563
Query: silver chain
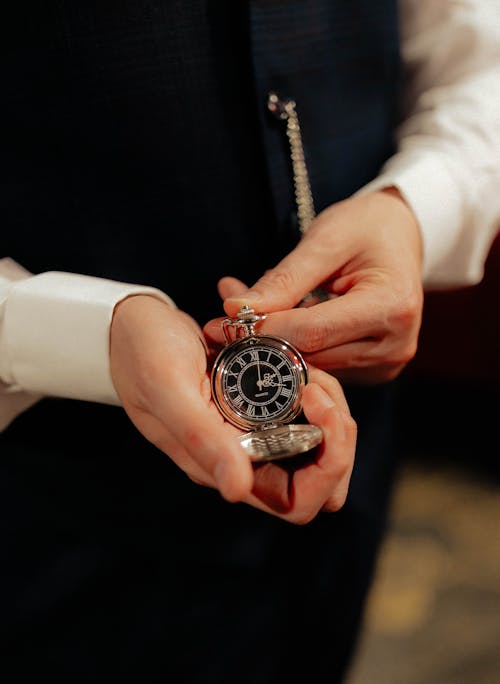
287,110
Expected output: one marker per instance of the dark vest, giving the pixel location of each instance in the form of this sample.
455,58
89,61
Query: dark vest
136,143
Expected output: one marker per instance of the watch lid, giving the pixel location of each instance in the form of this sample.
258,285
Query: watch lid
275,443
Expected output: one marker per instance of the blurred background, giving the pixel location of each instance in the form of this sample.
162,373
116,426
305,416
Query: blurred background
433,614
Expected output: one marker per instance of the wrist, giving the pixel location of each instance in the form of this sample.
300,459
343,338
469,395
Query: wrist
405,217
56,331
139,300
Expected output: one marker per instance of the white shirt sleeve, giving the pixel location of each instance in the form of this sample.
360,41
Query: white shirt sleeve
54,336
447,164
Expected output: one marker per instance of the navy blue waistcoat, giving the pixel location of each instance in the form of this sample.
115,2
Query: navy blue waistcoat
136,143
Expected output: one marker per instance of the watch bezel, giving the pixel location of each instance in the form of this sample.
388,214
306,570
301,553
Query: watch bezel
220,367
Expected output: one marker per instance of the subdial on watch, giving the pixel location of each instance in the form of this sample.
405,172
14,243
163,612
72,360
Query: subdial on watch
260,383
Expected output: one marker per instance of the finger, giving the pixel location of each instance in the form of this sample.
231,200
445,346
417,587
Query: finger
271,489
383,358
330,478
362,314
359,354
213,331
338,321
285,285
366,361
345,430
331,386
155,432
317,330
220,455
300,497
231,287
227,287
203,435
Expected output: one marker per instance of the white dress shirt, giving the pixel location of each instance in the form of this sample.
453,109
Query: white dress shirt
54,327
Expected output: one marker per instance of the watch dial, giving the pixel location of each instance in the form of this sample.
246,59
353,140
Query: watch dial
260,383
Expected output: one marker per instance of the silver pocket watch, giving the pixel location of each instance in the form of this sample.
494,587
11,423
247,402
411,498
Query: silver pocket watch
257,384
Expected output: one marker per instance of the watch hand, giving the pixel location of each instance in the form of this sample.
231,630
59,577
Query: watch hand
259,381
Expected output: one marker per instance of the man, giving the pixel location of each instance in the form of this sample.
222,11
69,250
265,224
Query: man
141,150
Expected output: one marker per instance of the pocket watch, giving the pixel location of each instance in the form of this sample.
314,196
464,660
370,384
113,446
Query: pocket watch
257,384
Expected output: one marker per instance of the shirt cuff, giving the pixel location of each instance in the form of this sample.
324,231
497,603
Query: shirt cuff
455,246
55,336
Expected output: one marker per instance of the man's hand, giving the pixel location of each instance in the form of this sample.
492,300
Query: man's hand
297,489
366,253
159,368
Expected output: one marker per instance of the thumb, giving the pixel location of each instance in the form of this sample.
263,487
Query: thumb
284,286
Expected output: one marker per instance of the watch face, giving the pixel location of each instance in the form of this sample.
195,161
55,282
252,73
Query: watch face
259,381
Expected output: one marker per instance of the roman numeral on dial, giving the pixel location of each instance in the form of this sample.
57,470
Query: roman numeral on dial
238,401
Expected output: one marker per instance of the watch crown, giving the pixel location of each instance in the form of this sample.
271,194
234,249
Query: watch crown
246,313
245,321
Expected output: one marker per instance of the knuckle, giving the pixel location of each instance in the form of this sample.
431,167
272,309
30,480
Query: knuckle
303,519
389,372
193,440
408,352
386,364
334,383
336,502
313,332
350,424
283,279
407,311
401,356
310,339
334,388
343,469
